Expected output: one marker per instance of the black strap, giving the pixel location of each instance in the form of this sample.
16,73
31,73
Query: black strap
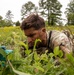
49,48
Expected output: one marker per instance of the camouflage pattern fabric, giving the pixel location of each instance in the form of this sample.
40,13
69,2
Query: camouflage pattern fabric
58,38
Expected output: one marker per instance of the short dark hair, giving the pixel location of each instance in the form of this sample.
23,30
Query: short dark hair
33,20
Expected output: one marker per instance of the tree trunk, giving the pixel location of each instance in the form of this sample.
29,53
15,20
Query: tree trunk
52,21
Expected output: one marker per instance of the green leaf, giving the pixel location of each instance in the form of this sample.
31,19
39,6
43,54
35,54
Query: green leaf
17,72
56,50
25,45
60,53
10,56
36,57
37,40
27,52
39,68
0,72
44,57
51,55
2,52
70,58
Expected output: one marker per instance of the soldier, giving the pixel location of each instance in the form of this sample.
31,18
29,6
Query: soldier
34,28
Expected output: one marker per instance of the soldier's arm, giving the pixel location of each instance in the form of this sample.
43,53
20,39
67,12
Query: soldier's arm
65,49
63,42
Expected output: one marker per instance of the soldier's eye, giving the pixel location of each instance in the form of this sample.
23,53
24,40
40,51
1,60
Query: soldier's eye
31,35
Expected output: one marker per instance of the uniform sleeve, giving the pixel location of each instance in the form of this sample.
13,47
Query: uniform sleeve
59,38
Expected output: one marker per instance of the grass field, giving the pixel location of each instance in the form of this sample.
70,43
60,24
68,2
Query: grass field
8,32
33,64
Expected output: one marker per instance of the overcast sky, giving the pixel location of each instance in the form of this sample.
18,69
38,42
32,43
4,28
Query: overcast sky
16,5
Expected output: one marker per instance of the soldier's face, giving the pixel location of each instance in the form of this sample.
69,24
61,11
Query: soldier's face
33,34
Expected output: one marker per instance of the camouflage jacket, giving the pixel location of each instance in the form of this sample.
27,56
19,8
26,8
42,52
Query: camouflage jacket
57,38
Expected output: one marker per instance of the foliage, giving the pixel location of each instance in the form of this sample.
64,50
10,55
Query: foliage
33,63
7,21
27,9
17,23
9,17
70,13
51,10
3,22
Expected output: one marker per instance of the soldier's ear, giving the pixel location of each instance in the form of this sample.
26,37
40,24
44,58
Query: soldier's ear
43,30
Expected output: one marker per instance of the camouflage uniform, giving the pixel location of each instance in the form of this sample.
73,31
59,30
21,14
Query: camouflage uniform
58,38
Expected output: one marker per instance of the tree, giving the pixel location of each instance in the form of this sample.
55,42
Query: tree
51,10
9,17
2,22
1,18
70,13
17,23
27,9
